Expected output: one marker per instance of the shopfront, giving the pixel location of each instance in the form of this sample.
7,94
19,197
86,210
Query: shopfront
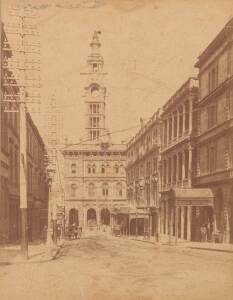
185,211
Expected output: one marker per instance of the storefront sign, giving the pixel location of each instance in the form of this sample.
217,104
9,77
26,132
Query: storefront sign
194,202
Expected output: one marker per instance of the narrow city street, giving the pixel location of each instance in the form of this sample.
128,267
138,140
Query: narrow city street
105,267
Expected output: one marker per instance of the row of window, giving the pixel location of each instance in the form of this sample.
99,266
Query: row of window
145,169
145,143
94,122
94,108
104,190
94,135
176,167
177,124
92,169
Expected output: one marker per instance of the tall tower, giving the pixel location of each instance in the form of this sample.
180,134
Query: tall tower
95,91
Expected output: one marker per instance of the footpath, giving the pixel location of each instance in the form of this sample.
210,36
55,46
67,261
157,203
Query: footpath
10,254
205,246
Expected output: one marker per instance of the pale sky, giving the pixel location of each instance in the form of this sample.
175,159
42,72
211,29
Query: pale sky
149,47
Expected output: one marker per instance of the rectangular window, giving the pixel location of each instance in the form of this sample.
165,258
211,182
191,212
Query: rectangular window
212,115
213,78
169,170
170,129
186,163
186,116
180,166
165,172
180,121
174,167
165,132
175,125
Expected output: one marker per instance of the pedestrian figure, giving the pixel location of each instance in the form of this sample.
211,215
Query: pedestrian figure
79,232
45,229
59,232
203,231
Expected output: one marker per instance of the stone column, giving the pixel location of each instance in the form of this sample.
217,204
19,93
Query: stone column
166,216
182,222
190,170
162,218
189,222
190,115
178,123
172,135
167,130
84,218
171,220
183,166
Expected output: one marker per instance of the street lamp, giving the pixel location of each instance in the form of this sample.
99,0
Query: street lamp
156,204
49,241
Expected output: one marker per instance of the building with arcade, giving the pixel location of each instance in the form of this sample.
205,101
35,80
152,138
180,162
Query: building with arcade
94,171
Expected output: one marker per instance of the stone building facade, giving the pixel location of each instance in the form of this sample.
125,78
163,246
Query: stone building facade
37,182
10,159
94,171
179,200
94,183
214,142
142,173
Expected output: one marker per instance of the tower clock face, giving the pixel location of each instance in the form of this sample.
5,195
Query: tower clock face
95,92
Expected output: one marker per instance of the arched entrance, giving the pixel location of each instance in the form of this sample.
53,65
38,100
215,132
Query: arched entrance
138,226
105,216
73,217
91,217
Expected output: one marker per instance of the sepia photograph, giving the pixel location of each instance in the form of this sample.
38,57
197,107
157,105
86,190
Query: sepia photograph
116,149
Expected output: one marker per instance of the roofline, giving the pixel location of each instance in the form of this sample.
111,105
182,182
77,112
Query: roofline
215,42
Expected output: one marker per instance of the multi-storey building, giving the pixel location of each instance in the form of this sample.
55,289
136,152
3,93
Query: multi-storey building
214,166
180,202
9,168
94,171
142,173
10,156
37,185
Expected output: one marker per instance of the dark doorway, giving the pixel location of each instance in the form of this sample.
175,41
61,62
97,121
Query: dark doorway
91,217
105,216
73,217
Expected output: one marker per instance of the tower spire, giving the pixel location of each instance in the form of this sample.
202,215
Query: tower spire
95,91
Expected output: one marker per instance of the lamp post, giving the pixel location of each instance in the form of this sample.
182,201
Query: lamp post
49,241
156,204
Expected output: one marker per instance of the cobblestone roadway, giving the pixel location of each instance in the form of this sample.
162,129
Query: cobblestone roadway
103,267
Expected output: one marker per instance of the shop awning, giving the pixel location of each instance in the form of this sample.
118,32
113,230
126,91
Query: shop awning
193,197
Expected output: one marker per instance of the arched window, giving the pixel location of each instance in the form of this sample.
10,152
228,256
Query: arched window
119,189
73,168
105,189
103,169
73,190
91,190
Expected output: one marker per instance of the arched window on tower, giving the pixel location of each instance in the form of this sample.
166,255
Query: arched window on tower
95,67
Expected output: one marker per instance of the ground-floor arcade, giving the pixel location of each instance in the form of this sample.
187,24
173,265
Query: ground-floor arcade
90,215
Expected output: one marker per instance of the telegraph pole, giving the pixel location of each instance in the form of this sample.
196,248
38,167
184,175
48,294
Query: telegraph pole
22,144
